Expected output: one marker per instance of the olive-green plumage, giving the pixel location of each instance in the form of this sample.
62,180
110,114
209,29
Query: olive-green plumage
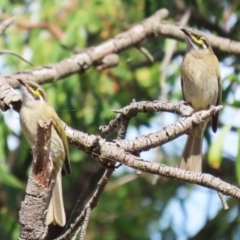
35,108
201,88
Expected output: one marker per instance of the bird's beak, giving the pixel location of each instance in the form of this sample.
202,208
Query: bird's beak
185,31
21,82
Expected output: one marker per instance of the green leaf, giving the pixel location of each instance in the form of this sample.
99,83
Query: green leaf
215,150
10,225
238,158
7,178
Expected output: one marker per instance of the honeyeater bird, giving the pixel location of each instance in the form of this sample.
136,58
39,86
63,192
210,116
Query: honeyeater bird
201,88
34,108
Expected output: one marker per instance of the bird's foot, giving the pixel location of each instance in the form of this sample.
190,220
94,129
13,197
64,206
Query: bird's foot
213,109
185,108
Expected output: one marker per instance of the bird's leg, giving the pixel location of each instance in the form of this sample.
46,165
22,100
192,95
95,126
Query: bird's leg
51,167
52,179
212,108
186,111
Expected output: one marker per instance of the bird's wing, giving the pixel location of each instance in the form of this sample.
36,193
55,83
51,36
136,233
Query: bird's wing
219,101
59,128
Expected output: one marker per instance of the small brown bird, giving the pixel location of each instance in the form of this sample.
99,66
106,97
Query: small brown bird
35,108
201,88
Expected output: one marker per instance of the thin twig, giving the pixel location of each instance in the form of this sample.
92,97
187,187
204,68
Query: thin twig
16,55
167,58
92,203
39,187
146,53
5,24
134,108
85,223
223,201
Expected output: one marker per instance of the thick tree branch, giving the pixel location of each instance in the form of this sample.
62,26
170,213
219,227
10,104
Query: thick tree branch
79,63
108,151
87,142
201,21
101,149
8,96
118,153
39,187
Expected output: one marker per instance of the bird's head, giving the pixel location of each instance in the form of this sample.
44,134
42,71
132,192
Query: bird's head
31,91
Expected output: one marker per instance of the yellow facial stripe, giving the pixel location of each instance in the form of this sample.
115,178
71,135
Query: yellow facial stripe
35,92
198,41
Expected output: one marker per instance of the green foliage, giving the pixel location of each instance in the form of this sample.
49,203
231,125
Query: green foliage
216,149
8,179
238,159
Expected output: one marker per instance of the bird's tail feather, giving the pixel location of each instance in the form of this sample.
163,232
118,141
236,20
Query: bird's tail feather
192,155
56,212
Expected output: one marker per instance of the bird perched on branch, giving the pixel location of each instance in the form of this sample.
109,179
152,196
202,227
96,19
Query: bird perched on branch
201,88
34,108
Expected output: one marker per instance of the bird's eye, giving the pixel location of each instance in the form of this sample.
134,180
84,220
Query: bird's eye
34,88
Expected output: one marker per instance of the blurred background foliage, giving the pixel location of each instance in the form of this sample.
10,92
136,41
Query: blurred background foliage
132,207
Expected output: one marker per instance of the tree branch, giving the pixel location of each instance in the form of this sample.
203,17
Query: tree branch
92,203
79,63
134,108
8,96
39,187
56,32
117,152
5,24
109,150
120,150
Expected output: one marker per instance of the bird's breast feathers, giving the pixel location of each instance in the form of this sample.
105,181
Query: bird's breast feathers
30,115
200,82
